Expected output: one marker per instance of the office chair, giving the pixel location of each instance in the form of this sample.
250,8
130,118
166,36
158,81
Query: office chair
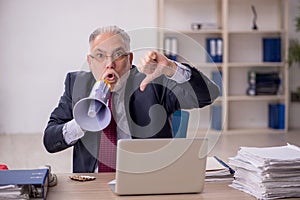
180,120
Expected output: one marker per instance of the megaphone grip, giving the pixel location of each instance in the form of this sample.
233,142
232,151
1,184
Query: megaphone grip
94,108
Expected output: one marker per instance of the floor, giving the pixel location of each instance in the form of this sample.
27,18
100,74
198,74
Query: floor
27,150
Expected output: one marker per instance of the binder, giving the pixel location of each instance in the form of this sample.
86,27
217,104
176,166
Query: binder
37,179
167,47
214,48
211,50
276,116
180,120
217,78
263,83
219,55
272,49
281,114
174,49
273,113
171,48
216,119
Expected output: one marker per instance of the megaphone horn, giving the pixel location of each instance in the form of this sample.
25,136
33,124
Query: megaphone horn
92,113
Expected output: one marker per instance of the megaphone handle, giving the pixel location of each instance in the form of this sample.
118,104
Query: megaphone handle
94,108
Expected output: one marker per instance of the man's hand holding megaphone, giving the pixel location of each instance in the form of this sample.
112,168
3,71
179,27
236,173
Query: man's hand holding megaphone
92,113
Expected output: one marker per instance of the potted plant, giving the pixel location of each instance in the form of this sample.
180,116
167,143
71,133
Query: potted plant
294,57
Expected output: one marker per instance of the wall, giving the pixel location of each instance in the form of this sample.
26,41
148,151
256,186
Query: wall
41,40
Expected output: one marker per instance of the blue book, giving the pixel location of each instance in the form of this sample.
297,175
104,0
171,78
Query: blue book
272,49
36,178
219,56
273,116
281,116
214,48
277,116
180,120
263,83
217,78
216,119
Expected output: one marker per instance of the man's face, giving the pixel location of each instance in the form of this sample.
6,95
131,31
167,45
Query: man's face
109,58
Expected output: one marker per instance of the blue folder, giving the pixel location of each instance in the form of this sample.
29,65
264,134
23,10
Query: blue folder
37,178
272,49
217,78
277,116
281,116
216,119
180,120
214,48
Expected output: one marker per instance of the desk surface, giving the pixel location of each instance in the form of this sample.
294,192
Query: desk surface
99,189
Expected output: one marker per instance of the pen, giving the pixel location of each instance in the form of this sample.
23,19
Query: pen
225,165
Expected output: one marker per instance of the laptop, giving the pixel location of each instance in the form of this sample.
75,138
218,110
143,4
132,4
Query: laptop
160,166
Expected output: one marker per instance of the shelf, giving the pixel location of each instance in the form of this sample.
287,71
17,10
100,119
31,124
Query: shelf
203,132
258,64
242,64
241,50
256,98
255,131
190,32
204,31
208,65
263,32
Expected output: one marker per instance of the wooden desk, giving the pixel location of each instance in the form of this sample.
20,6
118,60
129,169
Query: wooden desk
99,189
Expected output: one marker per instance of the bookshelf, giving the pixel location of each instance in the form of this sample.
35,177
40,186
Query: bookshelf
242,51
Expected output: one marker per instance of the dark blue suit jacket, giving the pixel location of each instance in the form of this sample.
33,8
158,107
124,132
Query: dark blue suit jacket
147,112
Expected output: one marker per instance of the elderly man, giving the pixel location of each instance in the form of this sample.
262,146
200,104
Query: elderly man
143,99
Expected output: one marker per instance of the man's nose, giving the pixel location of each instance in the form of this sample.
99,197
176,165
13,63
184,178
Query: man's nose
110,62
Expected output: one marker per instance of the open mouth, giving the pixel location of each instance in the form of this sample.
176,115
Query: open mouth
110,77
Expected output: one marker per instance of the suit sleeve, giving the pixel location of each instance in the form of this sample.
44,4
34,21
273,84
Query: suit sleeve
198,92
205,89
53,136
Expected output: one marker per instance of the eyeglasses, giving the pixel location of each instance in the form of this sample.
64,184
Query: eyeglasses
116,56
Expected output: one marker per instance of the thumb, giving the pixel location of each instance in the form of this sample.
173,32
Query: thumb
145,82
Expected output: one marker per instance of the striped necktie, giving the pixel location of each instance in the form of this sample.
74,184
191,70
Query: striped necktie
108,145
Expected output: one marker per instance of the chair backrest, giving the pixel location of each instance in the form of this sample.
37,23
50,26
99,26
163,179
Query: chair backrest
180,120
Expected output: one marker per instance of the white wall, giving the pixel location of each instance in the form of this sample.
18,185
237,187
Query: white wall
41,40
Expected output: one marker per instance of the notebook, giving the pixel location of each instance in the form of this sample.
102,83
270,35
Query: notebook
160,166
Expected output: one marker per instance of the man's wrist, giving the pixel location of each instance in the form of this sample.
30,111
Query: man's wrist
182,73
72,132
172,67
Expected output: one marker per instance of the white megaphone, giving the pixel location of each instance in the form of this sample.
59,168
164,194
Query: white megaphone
92,113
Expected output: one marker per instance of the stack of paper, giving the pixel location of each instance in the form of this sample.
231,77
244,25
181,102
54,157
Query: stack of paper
24,184
268,173
14,192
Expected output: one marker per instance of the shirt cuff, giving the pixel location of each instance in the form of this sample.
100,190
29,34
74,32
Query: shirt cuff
72,132
182,74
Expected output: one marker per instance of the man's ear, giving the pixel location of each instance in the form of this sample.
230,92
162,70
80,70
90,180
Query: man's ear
89,61
131,59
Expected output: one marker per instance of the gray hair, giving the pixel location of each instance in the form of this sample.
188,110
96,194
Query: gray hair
115,30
